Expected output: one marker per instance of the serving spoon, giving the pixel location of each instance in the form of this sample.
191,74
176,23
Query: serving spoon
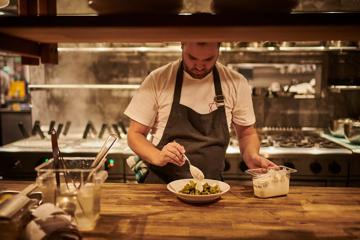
195,172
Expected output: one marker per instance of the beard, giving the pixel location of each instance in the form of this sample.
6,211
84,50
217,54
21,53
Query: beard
193,72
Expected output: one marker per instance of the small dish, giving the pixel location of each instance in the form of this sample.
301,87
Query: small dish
177,185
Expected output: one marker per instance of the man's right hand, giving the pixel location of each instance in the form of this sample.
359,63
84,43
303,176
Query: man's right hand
171,153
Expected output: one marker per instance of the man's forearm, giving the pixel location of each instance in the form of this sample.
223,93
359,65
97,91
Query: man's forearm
142,147
249,146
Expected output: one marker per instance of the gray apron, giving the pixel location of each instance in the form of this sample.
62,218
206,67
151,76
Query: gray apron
205,137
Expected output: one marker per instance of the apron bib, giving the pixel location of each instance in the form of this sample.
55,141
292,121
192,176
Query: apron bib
205,137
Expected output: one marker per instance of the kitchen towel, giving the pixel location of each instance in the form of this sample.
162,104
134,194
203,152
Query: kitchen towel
51,223
139,168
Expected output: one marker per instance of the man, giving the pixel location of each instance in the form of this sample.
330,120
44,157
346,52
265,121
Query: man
187,107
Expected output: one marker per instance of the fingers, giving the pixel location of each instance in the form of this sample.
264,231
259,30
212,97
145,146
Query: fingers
173,152
265,163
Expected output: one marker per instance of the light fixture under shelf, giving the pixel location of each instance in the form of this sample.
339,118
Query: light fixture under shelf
33,87
337,88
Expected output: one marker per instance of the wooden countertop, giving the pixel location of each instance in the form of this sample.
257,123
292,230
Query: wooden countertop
146,211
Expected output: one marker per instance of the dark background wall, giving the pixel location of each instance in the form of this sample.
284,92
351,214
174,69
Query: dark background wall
108,105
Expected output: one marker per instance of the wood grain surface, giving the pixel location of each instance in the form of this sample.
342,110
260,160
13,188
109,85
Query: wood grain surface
150,211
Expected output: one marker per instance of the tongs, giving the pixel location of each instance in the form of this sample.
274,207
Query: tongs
101,156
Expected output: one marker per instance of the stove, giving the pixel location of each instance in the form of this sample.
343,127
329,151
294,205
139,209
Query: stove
319,161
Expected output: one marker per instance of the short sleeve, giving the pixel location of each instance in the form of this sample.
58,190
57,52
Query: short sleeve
243,111
143,106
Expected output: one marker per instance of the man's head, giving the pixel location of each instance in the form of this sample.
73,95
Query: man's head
199,57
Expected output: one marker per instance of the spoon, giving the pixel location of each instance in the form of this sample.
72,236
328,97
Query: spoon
195,172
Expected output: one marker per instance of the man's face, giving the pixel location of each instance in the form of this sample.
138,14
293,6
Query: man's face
199,59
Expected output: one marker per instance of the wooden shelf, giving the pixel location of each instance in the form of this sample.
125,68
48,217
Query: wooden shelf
28,31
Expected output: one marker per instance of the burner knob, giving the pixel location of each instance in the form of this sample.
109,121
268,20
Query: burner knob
315,167
227,165
334,167
243,166
289,164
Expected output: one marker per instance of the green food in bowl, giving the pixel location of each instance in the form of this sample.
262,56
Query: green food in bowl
190,188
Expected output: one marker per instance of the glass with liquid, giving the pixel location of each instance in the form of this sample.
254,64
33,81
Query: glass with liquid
77,194
82,204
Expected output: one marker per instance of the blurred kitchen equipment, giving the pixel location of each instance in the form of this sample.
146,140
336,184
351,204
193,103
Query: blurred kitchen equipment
196,173
7,194
271,182
260,91
255,6
15,213
23,131
12,205
275,87
336,127
352,131
284,94
110,7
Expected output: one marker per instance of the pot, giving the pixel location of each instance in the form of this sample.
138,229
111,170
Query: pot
284,94
337,127
352,132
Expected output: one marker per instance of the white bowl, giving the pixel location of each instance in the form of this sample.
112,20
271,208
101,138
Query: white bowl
177,185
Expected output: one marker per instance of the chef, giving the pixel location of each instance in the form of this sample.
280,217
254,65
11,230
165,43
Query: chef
187,107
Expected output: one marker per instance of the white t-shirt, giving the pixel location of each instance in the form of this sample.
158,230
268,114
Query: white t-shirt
151,104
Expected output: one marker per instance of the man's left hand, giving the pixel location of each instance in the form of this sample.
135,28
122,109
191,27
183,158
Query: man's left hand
258,161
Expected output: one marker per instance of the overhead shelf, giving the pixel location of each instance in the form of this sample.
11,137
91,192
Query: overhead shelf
36,36
175,28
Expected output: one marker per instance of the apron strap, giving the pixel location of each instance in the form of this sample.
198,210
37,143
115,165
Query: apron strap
178,84
219,97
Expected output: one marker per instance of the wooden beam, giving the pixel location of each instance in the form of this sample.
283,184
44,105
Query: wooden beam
47,8
27,7
19,46
49,53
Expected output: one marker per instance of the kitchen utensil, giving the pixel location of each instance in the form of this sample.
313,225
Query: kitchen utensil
101,156
104,149
56,155
336,127
352,131
15,213
11,206
195,172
